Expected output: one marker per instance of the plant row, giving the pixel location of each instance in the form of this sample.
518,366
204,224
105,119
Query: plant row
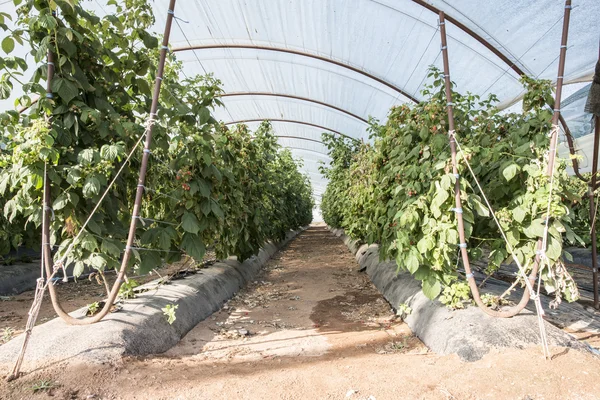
207,186
399,190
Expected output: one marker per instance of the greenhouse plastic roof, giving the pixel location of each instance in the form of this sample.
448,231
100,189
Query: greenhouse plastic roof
328,65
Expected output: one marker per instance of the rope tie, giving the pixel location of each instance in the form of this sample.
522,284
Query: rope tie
457,210
50,63
462,245
469,276
171,12
48,208
49,96
522,272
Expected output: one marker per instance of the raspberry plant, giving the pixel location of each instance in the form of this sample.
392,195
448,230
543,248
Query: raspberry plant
207,185
398,192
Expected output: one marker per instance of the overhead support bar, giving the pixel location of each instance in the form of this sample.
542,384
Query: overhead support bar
290,96
244,121
300,138
309,150
303,54
512,64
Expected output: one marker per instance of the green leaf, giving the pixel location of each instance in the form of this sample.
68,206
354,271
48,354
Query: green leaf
60,202
510,171
111,248
189,222
8,44
412,262
88,242
204,115
109,152
519,214
216,209
164,240
204,188
65,89
480,208
149,261
431,288
535,229
78,268
91,187
193,246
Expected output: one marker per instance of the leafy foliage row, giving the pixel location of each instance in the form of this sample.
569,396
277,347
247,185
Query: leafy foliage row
209,186
399,191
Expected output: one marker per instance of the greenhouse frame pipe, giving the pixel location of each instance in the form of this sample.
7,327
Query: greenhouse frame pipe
591,186
357,70
138,197
457,200
474,35
291,121
299,53
310,150
291,96
549,171
300,138
555,118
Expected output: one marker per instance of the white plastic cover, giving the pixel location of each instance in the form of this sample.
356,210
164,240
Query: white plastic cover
364,56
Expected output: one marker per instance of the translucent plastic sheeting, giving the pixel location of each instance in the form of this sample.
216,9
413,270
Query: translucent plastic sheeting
240,108
364,56
530,31
249,71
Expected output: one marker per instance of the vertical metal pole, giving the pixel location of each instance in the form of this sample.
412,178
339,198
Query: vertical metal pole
556,115
591,186
139,192
146,155
451,132
551,159
47,199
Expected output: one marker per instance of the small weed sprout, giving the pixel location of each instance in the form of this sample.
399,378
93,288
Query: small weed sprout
403,310
7,334
93,308
43,385
493,301
456,296
169,312
126,291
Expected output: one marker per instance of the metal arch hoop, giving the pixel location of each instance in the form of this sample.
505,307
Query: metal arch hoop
291,121
299,53
309,150
512,64
291,96
300,138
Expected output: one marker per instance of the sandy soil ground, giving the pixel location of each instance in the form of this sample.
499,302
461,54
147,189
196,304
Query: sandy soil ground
311,327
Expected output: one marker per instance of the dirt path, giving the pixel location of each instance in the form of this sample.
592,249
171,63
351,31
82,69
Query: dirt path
311,327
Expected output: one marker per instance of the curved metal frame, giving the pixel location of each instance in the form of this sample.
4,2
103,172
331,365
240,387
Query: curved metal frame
474,35
291,121
309,150
298,53
291,96
300,138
